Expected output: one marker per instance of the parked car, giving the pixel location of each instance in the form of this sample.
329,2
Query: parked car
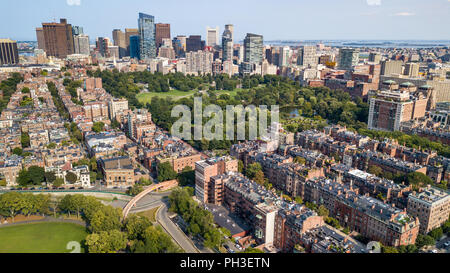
238,246
447,244
81,188
72,188
62,188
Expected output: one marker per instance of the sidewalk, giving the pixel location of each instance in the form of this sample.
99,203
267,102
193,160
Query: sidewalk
47,219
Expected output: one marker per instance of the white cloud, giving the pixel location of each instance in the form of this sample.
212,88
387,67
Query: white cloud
374,2
404,14
73,2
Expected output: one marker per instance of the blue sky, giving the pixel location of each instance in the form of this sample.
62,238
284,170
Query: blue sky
275,19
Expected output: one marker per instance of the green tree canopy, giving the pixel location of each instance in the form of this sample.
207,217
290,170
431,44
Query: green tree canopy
166,172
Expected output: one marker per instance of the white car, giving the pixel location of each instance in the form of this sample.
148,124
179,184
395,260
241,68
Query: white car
238,247
447,244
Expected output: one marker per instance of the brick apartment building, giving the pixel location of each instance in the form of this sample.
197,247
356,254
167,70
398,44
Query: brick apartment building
206,169
432,207
118,172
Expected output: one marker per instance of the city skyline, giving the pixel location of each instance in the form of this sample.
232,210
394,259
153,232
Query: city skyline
413,18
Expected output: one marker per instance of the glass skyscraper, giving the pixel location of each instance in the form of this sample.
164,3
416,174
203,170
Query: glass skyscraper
227,45
147,36
135,46
253,46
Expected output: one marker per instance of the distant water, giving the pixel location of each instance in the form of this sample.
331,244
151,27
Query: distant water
365,43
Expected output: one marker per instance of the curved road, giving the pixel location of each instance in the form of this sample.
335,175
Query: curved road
155,200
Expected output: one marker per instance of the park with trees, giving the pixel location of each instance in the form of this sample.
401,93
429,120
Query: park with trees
104,231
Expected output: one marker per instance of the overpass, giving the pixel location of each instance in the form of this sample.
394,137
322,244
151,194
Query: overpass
138,197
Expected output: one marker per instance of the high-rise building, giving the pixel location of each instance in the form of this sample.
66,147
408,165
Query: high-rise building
308,56
162,31
77,30
227,45
199,62
119,40
147,36
253,52
230,28
212,36
348,57
388,109
179,44
284,56
81,44
412,70
9,53
58,39
205,170
253,48
103,46
40,38
374,57
390,67
194,43
135,46
128,33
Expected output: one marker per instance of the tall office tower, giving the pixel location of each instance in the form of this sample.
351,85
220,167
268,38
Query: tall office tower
194,43
199,61
374,57
227,45
412,70
162,31
212,36
128,33
135,42
284,56
309,56
58,39
147,32
230,28
388,109
348,57
77,30
300,56
119,41
103,46
389,67
253,48
81,44
179,45
40,38
9,53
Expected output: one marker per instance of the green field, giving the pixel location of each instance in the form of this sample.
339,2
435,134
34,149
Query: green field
174,94
40,237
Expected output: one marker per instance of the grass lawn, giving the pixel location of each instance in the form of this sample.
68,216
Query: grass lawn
150,214
174,94
40,237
